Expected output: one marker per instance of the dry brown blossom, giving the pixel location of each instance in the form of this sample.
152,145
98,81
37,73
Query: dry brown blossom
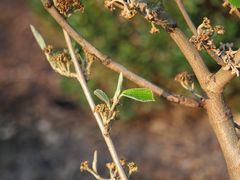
203,40
106,114
131,167
60,60
67,7
154,29
227,54
84,166
129,9
186,80
205,31
111,166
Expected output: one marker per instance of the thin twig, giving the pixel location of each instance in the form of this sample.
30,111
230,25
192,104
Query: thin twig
186,17
111,64
87,93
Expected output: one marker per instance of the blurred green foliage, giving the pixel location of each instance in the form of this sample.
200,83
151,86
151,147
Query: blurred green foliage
154,57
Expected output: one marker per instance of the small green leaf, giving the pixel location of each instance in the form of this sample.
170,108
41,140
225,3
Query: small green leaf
102,96
38,37
119,86
235,3
139,94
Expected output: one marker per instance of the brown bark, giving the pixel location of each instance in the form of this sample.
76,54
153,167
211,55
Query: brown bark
220,116
221,120
111,64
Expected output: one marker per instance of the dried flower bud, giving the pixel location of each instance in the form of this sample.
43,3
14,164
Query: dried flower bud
67,7
128,8
205,31
226,53
60,60
100,108
84,166
122,162
186,80
206,23
219,30
132,167
154,29
48,49
111,166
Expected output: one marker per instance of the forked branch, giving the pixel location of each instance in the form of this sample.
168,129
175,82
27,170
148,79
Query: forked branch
219,114
157,15
108,62
220,79
194,31
106,136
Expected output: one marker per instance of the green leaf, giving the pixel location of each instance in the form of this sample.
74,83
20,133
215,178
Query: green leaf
38,37
102,96
235,3
139,94
119,86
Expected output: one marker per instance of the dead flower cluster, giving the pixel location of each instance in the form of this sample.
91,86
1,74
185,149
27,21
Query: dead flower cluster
107,114
67,7
59,60
186,80
203,40
131,168
227,54
205,31
129,9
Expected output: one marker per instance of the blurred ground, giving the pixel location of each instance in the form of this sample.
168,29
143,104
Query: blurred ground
44,135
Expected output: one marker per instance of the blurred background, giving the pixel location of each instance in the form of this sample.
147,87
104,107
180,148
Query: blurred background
46,128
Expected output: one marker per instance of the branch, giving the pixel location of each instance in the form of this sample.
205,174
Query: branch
222,77
87,93
157,15
221,120
192,55
108,62
194,31
175,98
